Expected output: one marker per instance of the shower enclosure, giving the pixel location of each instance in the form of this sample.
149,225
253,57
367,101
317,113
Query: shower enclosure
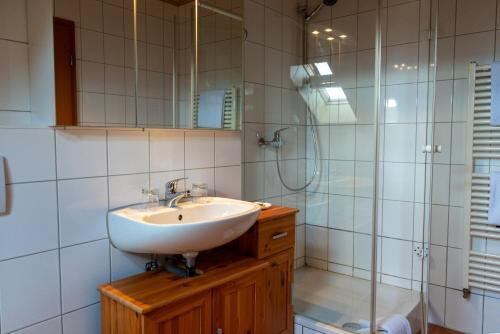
363,116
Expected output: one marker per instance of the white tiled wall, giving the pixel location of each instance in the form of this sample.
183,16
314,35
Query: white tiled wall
105,65
271,103
338,211
467,32
340,201
14,62
54,249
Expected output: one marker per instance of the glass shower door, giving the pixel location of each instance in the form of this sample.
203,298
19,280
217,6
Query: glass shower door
336,81
406,164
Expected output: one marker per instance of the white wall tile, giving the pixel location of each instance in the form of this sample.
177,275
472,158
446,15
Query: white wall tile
13,20
254,181
200,148
92,77
83,321
439,225
254,103
406,54
403,24
491,321
456,227
475,16
399,181
341,178
401,103
83,208
463,315
113,20
114,50
458,143
30,225
91,14
272,183
204,175
227,149
400,142
340,248
14,83
127,189
440,184
81,153
477,47
39,150
36,291
397,219
317,209
124,264
52,326
396,257
228,182
166,150
92,45
83,268
436,304
128,152
341,212
316,242
342,142
454,268
255,25
437,265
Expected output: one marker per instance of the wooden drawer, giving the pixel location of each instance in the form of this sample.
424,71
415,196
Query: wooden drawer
273,232
275,235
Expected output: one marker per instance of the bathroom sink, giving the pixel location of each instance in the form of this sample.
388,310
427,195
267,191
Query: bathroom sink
190,227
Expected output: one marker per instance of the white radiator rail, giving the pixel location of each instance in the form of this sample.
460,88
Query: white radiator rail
481,270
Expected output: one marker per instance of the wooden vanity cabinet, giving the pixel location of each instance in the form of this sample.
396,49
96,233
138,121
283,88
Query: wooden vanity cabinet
245,289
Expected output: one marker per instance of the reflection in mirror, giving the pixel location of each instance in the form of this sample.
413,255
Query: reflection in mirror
165,43
129,63
217,102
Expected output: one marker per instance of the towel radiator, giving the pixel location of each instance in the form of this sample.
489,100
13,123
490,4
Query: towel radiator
481,269
230,118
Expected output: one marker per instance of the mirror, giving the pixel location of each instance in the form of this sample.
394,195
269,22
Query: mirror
219,83
130,63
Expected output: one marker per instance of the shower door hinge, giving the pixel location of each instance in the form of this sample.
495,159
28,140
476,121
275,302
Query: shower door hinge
421,252
432,149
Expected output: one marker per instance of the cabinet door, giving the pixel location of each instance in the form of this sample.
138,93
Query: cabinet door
238,306
278,309
192,316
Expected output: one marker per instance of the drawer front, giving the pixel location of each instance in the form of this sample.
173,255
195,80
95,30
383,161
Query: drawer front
276,235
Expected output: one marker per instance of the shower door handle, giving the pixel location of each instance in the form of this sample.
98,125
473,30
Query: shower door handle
432,149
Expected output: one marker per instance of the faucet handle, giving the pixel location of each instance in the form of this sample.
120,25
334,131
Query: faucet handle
172,184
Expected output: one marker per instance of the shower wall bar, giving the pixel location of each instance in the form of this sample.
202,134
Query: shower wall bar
481,270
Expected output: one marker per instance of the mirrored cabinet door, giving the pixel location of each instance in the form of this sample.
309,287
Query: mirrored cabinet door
219,87
127,63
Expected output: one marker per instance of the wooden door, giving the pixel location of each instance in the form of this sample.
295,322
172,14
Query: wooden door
192,316
65,71
238,306
278,308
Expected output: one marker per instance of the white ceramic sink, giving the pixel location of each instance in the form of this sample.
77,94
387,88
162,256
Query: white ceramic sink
191,227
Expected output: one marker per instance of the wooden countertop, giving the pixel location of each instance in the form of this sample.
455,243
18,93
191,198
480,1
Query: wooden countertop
150,291
274,212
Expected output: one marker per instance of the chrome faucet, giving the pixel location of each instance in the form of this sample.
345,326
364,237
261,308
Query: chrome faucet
172,196
276,142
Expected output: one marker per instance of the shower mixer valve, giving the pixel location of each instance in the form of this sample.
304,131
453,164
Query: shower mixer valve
276,142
